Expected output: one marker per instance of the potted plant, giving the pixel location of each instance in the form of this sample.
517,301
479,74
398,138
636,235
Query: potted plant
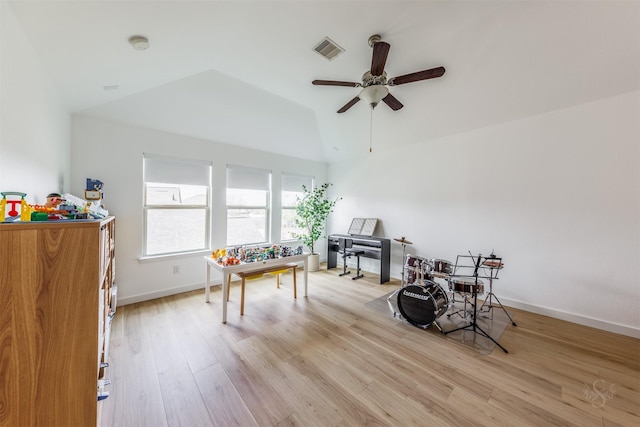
312,211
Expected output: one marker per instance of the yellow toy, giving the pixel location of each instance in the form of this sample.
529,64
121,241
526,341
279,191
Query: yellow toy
25,210
219,253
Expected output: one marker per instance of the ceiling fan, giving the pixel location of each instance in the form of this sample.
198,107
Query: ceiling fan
374,81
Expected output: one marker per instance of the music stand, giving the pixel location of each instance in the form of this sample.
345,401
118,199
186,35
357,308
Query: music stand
473,325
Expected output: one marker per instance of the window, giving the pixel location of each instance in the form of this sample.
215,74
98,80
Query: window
176,205
291,191
248,202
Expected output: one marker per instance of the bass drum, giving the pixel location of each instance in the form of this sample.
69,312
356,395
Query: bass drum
422,305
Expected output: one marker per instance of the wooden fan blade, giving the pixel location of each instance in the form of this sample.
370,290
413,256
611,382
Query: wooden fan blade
334,83
392,102
417,76
379,59
349,105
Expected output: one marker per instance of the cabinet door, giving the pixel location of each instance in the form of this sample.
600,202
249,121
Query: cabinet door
49,299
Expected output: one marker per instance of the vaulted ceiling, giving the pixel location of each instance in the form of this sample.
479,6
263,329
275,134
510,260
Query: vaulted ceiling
240,72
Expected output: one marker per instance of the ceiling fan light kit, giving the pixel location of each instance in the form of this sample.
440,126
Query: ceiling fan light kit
374,81
372,95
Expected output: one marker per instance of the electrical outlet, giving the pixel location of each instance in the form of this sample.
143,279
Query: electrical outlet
176,269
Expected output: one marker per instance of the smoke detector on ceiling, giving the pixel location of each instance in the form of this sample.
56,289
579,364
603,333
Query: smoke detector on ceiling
139,42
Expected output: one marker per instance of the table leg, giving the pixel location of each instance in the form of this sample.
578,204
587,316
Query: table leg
306,275
207,284
225,296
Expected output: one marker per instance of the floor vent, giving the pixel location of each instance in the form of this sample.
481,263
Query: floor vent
328,48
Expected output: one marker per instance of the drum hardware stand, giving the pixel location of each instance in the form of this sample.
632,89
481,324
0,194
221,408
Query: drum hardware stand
435,322
464,310
453,299
402,240
404,243
396,315
474,324
490,297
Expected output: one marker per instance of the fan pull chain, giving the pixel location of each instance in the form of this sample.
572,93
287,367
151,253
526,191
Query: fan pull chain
371,131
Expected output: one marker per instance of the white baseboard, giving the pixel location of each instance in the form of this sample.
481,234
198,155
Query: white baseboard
163,293
574,318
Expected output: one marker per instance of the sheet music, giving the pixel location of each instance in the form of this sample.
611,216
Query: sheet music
356,226
369,226
363,226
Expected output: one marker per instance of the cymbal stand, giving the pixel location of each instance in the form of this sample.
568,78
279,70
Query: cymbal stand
473,326
497,265
404,243
404,250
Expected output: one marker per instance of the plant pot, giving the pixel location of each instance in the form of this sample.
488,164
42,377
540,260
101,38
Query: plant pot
314,262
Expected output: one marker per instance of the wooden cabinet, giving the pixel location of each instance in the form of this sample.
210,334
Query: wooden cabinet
56,283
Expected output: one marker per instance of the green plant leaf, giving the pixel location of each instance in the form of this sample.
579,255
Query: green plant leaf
312,211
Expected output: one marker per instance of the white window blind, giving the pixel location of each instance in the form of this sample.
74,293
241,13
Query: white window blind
294,183
161,169
176,205
248,205
248,178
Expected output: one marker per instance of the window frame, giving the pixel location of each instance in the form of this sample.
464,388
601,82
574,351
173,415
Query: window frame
267,207
147,208
284,208
267,218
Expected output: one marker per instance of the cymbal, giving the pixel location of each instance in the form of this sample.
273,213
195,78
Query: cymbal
404,241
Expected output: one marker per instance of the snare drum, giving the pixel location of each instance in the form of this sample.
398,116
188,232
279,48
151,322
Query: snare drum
417,269
441,268
464,285
422,305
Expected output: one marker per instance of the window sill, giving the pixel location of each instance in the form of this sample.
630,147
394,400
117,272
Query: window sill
165,257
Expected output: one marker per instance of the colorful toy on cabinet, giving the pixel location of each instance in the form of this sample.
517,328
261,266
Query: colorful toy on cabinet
94,194
93,190
59,207
53,200
14,215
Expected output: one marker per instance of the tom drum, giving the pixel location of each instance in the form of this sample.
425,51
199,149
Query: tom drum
416,269
441,268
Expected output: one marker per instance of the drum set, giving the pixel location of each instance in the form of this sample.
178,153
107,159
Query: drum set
421,299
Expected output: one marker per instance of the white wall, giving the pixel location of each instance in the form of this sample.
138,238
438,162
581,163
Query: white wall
113,152
34,124
556,195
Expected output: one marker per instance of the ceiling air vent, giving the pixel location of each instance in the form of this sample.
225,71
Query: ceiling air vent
328,48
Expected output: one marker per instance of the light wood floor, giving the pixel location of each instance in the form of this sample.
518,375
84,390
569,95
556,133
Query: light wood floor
327,360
